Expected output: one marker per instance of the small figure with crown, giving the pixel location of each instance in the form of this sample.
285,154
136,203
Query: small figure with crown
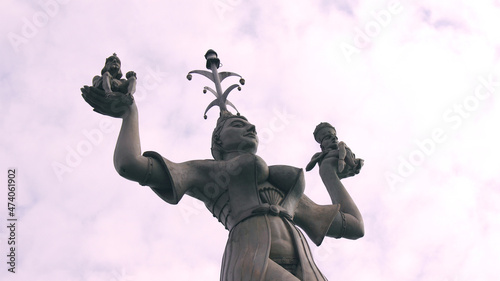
347,163
262,206
116,93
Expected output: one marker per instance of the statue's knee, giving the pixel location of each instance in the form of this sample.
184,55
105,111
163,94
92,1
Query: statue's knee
106,74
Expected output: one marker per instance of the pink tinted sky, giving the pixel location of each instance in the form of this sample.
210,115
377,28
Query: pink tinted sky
411,88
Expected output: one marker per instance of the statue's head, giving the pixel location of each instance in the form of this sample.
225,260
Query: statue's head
113,66
326,135
233,133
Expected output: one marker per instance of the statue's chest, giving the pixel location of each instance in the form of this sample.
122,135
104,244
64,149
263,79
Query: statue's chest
251,173
243,186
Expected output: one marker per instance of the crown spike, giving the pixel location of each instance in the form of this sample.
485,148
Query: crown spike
211,91
232,105
212,104
213,64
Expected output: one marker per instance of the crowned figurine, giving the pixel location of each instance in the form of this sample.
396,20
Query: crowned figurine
111,87
326,135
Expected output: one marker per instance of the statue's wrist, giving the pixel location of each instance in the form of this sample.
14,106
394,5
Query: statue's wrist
131,111
327,167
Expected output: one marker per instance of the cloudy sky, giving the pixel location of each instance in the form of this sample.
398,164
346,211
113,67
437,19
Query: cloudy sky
411,86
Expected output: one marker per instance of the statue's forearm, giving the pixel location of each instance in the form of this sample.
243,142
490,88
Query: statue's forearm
353,220
336,189
128,160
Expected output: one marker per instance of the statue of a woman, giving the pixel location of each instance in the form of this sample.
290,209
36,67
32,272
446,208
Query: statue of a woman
261,206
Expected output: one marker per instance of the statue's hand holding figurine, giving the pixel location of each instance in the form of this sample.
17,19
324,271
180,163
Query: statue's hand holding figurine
110,94
335,152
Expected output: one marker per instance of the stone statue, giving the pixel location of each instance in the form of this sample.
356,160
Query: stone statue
261,206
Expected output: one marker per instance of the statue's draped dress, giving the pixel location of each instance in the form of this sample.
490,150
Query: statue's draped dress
233,191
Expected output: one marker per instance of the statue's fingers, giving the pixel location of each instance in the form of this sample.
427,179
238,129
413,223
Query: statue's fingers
96,91
94,98
95,104
341,165
98,111
101,109
89,100
350,158
342,150
94,94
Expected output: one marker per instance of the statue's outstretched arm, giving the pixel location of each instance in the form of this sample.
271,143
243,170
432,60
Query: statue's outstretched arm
348,223
128,159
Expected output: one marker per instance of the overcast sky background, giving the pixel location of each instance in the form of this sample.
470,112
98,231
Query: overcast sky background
411,87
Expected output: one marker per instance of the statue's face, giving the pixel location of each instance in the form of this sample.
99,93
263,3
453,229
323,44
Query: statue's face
238,134
113,64
328,137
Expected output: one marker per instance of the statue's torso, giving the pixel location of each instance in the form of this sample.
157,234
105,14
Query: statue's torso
241,189
261,207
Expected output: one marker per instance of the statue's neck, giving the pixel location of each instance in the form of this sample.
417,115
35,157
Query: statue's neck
233,154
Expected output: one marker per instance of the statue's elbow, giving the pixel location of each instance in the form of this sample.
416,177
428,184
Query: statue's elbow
121,169
358,231
359,234
125,168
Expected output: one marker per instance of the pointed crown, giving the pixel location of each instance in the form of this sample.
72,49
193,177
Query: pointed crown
213,64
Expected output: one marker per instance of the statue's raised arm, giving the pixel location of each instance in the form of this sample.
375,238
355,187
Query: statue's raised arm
337,161
113,96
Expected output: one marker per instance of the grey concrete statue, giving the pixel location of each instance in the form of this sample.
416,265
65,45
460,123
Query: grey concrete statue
263,207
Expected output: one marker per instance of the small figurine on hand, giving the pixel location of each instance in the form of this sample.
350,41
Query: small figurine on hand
326,135
110,94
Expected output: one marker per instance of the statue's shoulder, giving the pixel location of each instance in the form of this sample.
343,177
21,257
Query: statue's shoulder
285,170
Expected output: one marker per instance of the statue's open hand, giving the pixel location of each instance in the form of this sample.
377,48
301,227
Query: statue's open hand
346,162
113,104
